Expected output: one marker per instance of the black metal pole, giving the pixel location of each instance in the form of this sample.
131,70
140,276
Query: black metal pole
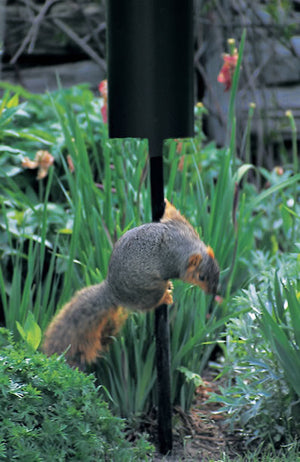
162,335
150,95
162,332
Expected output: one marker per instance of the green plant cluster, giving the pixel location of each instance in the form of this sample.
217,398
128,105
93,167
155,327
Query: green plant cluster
50,412
261,360
58,232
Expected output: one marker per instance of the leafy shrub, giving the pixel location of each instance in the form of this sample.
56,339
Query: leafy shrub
278,224
262,359
50,412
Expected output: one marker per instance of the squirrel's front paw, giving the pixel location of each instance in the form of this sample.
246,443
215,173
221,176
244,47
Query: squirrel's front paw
167,298
170,287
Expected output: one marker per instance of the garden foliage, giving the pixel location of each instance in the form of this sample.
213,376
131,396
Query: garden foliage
57,234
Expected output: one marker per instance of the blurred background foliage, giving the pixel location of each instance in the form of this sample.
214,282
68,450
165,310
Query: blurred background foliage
41,40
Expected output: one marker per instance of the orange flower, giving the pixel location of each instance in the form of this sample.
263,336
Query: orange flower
226,73
70,163
181,163
42,161
279,170
103,91
27,163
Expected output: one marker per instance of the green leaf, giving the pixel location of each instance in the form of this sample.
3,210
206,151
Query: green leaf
13,102
277,187
294,309
241,172
287,218
21,330
31,333
280,311
286,352
191,376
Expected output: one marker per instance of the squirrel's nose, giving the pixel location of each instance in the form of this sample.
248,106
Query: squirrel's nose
215,288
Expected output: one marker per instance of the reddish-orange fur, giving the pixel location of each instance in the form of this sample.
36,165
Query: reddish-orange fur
210,252
98,339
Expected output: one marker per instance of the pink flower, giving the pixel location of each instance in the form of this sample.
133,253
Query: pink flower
226,73
104,113
219,300
103,91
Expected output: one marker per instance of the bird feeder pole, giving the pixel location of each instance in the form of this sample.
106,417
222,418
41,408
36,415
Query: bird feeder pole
150,95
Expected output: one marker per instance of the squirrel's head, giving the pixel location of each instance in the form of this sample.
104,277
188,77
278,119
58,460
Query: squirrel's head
203,270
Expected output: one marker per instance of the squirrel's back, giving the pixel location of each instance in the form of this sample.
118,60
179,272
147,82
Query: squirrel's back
154,252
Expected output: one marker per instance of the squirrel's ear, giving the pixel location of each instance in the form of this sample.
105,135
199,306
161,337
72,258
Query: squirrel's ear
210,252
194,260
170,211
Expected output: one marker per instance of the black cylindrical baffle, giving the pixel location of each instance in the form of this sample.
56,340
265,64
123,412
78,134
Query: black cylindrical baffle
150,95
150,69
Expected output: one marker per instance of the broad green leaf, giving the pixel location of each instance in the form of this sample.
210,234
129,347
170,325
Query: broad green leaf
13,102
268,192
31,332
241,172
191,376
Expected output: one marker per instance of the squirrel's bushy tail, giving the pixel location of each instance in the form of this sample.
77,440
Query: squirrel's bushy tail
84,326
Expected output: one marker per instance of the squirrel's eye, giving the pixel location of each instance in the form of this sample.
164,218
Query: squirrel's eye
201,278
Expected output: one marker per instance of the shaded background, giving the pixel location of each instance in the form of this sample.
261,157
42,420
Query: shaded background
42,39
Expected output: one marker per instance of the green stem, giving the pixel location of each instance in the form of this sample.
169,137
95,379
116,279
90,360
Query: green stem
290,116
235,82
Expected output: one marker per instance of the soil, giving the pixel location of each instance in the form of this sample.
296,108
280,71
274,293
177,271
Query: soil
202,435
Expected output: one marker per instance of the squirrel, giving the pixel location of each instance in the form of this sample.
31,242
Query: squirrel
142,263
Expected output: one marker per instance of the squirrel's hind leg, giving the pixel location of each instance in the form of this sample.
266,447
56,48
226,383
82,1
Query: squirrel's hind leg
114,323
97,340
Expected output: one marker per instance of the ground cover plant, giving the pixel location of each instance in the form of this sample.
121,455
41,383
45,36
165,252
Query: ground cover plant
51,412
57,233
261,360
